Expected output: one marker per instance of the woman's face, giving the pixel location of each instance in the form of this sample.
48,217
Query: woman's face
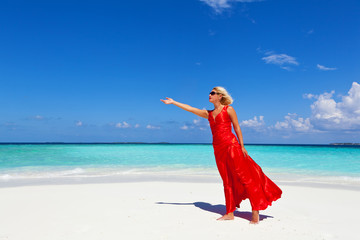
214,97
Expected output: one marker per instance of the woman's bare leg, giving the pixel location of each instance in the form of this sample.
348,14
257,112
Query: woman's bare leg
255,217
229,216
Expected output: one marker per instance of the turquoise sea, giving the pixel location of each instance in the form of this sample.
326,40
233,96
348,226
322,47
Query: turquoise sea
319,163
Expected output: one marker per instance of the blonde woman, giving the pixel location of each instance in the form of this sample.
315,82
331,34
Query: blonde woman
242,177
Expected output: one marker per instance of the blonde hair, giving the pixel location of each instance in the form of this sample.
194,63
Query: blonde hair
226,98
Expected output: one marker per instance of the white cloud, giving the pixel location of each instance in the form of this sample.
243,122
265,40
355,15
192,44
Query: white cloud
280,59
286,68
184,127
38,117
220,5
137,125
327,114
325,107
309,95
196,121
122,125
217,5
331,115
292,123
152,127
79,123
199,123
255,123
323,68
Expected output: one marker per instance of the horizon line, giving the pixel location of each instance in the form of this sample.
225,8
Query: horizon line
170,143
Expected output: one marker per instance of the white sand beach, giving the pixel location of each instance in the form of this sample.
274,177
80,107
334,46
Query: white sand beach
171,210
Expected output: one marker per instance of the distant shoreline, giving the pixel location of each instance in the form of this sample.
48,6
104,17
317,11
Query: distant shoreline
346,144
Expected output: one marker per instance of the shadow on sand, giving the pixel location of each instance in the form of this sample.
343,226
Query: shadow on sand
219,209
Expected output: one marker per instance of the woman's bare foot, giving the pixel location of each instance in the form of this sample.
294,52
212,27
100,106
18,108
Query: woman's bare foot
255,217
229,216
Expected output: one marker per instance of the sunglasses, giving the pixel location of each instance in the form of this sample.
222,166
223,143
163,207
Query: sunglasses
213,93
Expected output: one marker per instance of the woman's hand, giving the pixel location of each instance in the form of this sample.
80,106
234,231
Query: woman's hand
244,151
199,112
168,101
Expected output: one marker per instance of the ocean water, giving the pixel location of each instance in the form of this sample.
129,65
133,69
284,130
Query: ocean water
319,163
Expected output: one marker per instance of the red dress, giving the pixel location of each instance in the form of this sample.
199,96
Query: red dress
242,177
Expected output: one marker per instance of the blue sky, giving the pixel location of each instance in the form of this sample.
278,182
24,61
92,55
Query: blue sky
85,71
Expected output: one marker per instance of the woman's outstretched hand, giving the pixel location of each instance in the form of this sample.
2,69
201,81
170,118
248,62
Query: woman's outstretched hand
167,101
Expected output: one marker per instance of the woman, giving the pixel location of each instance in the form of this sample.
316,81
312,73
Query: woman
242,177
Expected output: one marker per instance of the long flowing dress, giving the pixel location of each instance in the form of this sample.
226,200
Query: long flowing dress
242,177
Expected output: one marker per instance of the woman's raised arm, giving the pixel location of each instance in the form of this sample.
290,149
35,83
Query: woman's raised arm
199,112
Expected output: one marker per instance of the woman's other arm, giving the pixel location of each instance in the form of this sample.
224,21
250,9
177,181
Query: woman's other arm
199,112
237,129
